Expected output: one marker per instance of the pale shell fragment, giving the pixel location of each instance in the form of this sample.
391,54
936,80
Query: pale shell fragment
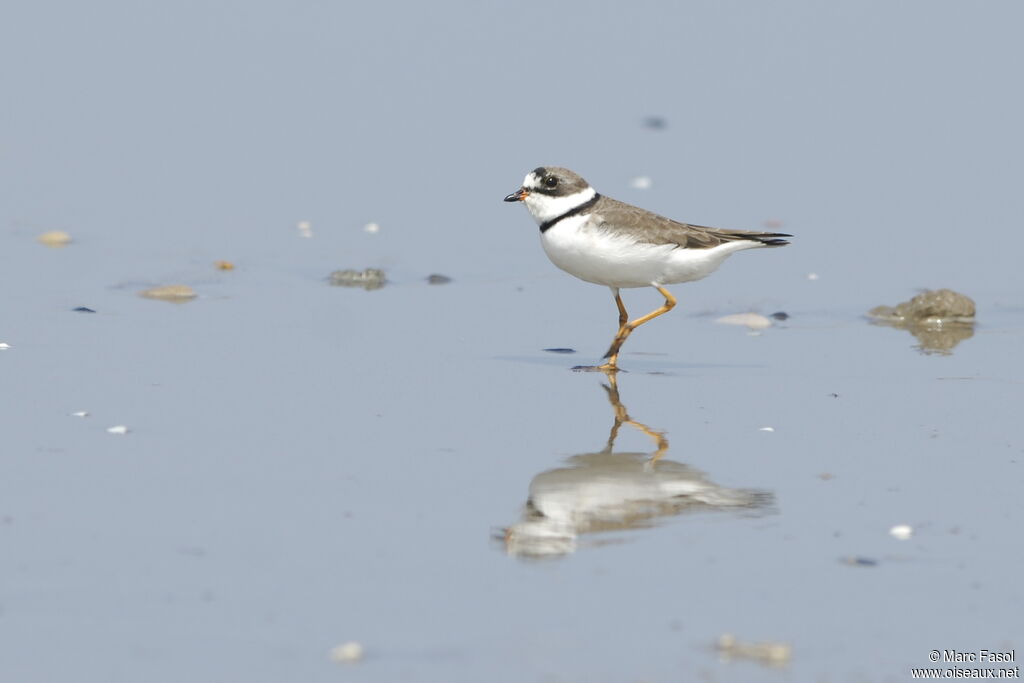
753,321
901,531
347,652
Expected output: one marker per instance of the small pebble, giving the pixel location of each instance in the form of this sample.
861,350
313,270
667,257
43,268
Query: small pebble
55,238
118,429
177,293
901,531
655,122
347,652
80,413
82,309
305,228
560,349
753,321
371,228
812,276
640,183
223,265
854,561
779,315
437,279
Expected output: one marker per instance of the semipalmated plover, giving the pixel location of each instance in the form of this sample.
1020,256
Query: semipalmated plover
601,240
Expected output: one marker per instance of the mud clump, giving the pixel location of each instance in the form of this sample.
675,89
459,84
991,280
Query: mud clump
939,319
931,306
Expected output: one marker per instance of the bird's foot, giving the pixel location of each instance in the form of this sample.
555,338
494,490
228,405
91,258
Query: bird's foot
607,368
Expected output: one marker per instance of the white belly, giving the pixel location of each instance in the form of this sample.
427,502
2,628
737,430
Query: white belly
597,255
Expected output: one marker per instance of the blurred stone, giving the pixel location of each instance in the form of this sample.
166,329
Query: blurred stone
55,238
371,278
436,279
173,293
82,309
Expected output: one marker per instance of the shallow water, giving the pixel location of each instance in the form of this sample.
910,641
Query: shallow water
308,465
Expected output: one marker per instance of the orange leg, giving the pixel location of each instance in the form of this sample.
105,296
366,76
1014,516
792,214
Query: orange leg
626,328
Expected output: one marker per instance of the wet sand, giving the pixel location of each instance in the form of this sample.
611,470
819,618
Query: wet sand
317,483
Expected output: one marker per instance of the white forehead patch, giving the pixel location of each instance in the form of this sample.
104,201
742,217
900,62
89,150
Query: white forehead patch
531,181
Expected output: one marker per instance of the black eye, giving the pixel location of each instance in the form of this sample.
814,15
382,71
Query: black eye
551,181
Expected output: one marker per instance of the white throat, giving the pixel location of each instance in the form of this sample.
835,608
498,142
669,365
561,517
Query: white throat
543,207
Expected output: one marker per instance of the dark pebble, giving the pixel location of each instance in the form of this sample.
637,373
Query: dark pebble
780,315
83,309
436,279
655,123
560,350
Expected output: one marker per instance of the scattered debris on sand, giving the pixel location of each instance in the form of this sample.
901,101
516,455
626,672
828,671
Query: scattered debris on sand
54,238
173,293
773,654
939,319
371,278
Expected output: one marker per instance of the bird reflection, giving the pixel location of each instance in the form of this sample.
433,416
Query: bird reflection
612,491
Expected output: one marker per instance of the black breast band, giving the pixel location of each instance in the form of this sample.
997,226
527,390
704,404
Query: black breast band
571,212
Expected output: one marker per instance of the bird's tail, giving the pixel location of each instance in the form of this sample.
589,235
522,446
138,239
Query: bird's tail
773,239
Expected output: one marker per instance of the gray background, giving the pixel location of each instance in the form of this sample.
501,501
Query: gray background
309,465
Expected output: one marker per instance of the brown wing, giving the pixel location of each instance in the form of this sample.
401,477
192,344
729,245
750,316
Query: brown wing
650,227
